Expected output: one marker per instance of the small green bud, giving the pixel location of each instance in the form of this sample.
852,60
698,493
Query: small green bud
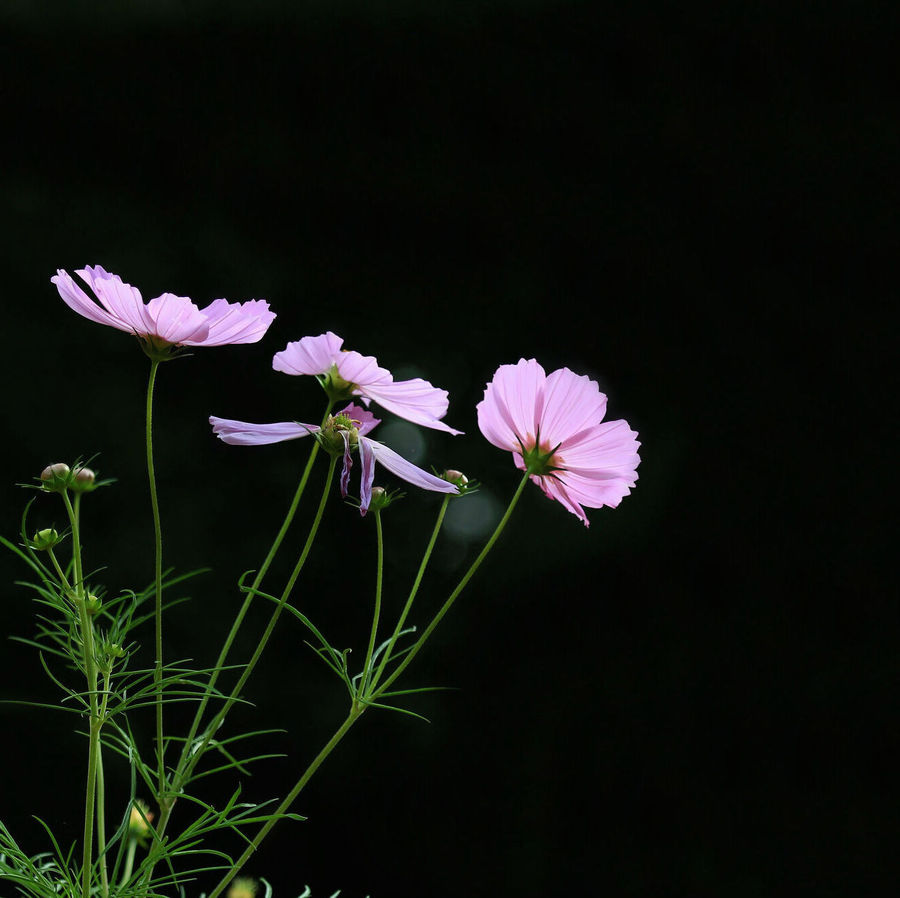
45,539
92,604
115,650
457,477
55,478
83,481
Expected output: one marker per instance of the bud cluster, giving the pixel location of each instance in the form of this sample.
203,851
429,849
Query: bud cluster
59,477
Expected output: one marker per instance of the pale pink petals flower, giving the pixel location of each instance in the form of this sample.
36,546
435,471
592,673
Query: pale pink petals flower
167,319
415,400
553,425
243,433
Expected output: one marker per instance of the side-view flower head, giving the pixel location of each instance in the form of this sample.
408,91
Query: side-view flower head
343,433
167,320
552,425
345,374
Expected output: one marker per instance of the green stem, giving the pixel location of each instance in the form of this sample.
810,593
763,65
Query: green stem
459,588
129,861
59,571
157,533
235,627
363,686
339,734
212,729
101,827
90,671
413,592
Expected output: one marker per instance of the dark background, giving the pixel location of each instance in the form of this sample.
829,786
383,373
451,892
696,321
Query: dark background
695,204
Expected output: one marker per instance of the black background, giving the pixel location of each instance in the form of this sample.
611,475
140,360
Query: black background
693,203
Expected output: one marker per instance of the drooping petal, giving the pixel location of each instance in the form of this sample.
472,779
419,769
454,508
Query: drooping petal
367,474
75,298
234,322
406,470
348,463
311,355
571,403
175,319
415,400
243,433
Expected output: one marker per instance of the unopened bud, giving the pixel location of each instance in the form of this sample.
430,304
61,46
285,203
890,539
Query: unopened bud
56,477
115,650
139,820
456,477
44,539
83,480
243,887
92,604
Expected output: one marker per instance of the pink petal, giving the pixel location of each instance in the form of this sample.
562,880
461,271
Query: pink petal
176,319
406,470
510,410
348,463
311,355
415,400
571,403
75,298
235,322
361,370
120,299
367,459
364,420
610,447
242,433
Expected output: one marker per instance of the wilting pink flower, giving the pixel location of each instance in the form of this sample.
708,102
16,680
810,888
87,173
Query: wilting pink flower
552,425
345,373
351,426
167,319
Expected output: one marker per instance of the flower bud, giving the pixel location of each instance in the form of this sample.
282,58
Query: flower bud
45,539
92,604
55,477
115,650
138,824
457,477
83,481
243,887
330,436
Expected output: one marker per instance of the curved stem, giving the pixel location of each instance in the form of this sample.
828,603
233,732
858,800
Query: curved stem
235,627
379,576
157,576
415,589
288,800
459,588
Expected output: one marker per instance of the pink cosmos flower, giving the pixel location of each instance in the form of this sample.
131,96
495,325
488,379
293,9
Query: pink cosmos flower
350,426
552,425
167,319
345,373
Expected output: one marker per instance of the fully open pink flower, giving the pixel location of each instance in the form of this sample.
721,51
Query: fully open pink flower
167,319
350,425
552,425
347,373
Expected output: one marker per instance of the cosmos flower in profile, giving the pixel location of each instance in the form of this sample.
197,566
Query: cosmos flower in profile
553,425
345,374
342,433
167,320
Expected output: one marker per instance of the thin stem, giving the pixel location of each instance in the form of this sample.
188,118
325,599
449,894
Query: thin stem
157,533
235,627
379,576
129,861
339,734
415,589
90,671
459,588
101,794
59,571
235,693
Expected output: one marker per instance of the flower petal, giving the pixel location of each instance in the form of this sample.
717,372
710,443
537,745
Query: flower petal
348,464
572,402
120,299
311,355
75,298
362,370
406,470
176,319
235,322
509,414
242,433
367,475
415,400
363,419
